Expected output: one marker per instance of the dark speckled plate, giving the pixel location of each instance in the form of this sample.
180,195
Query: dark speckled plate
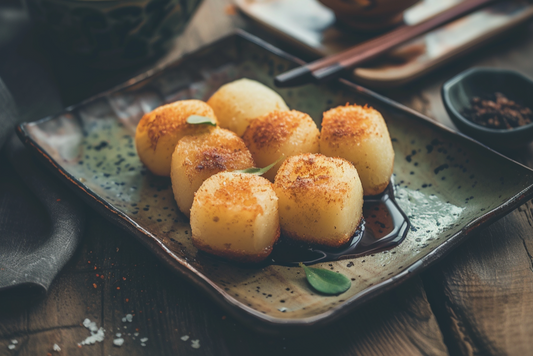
446,183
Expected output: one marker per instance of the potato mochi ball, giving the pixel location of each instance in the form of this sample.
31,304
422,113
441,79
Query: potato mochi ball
159,131
280,133
359,134
320,199
235,216
237,103
198,157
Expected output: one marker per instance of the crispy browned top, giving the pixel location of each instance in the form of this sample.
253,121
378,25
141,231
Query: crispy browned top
239,189
314,175
173,117
350,121
274,127
215,151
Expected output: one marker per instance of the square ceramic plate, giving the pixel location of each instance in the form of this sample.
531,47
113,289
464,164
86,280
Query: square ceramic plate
448,184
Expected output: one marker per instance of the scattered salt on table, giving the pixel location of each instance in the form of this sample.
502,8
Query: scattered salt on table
97,334
118,342
195,344
144,339
185,337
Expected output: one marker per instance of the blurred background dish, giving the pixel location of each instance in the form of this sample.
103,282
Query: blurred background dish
369,15
111,33
313,28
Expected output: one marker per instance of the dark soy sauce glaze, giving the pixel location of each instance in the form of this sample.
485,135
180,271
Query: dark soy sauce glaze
384,225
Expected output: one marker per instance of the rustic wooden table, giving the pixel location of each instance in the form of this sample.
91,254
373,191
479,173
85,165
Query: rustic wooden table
476,301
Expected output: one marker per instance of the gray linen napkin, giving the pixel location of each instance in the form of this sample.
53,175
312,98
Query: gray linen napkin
41,222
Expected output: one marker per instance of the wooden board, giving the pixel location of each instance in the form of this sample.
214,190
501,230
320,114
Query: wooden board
309,25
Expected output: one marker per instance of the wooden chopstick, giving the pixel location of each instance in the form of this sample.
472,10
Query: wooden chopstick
330,67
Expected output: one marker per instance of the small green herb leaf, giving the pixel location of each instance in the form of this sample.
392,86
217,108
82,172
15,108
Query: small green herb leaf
327,282
200,120
259,171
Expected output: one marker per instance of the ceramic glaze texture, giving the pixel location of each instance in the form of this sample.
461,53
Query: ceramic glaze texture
445,183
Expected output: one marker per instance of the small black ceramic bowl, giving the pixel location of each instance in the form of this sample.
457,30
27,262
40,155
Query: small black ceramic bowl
459,91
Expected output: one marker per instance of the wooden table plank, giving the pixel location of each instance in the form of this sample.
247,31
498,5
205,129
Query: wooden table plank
164,307
483,293
486,289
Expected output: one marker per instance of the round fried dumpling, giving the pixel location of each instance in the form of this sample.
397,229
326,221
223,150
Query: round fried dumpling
320,199
237,103
279,133
235,215
198,157
159,131
359,134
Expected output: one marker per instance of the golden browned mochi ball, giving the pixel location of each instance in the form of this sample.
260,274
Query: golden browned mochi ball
198,157
280,133
235,215
159,131
320,199
359,134
239,102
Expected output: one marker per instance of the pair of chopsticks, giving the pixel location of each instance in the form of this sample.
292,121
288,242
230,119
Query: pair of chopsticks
330,67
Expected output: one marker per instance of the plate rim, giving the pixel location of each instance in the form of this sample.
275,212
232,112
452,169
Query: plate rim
268,324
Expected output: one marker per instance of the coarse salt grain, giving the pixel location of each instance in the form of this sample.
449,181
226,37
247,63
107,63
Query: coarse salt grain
97,334
185,337
118,342
136,334
129,317
56,348
11,347
14,341
144,339
119,334
195,344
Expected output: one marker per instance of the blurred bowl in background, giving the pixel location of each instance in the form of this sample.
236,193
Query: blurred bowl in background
111,33
369,15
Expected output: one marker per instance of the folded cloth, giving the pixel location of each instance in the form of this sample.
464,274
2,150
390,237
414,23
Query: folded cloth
8,113
41,222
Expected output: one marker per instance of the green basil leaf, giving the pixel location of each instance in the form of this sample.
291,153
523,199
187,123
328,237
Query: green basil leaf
325,281
200,120
259,171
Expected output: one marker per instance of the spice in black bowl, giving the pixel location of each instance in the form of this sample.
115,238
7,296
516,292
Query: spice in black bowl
496,111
